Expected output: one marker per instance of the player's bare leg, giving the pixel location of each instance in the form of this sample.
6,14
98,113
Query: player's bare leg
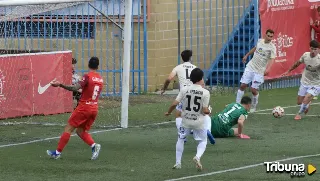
304,108
240,92
86,137
255,97
64,139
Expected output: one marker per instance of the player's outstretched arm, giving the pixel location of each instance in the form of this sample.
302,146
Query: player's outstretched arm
172,107
294,66
73,87
241,124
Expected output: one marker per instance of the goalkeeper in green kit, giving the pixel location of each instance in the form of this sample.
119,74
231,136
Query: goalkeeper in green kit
234,113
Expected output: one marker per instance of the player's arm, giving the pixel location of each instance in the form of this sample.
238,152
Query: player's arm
205,103
175,102
244,59
168,80
241,120
294,66
74,87
316,29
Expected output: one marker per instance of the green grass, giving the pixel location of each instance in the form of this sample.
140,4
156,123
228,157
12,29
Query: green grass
148,153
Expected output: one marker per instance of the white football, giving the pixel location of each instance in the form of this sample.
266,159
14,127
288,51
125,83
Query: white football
278,112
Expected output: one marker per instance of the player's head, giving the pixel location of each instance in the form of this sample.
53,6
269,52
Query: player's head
314,48
269,35
93,63
196,76
246,102
318,10
186,55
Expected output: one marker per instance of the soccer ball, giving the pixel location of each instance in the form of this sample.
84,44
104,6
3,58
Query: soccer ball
278,112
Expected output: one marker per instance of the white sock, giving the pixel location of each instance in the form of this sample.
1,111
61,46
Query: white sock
303,107
178,122
207,122
201,148
93,145
239,95
57,152
179,150
255,100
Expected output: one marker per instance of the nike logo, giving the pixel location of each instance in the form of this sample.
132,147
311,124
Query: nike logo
41,89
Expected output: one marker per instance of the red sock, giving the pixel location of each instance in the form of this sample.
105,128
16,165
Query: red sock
86,137
63,141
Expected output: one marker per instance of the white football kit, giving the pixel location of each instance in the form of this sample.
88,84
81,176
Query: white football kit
193,99
254,71
183,72
310,80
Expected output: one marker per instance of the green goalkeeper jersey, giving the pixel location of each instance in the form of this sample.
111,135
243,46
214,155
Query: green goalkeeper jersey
226,119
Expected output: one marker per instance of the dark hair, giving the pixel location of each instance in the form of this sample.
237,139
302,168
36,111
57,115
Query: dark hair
246,100
269,31
93,63
186,55
74,61
314,44
318,9
196,75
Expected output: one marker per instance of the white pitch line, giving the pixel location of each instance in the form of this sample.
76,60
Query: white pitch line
241,168
283,107
308,115
94,132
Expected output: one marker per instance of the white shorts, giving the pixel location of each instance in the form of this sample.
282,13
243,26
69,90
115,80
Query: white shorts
198,134
313,90
250,76
179,107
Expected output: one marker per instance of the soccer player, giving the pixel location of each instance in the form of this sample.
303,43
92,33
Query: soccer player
183,72
234,114
85,114
195,102
310,80
75,79
256,69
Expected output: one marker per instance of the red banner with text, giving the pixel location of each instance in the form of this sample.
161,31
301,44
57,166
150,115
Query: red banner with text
290,19
25,84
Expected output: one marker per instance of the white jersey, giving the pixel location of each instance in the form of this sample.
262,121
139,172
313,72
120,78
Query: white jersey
183,72
263,54
75,78
311,73
193,98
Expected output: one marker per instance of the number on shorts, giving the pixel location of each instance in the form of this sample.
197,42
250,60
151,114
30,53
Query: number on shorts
95,92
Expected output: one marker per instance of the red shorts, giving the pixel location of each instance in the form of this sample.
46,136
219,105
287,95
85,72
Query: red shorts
83,118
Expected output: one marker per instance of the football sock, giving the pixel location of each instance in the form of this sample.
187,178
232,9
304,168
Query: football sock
201,148
63,141
207,122
303,107
178,122
86,137
255,100
239,95
179,150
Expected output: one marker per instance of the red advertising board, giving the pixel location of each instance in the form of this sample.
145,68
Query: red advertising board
290,19
25,84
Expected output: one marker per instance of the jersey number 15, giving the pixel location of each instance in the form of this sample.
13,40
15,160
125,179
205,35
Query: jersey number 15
196,103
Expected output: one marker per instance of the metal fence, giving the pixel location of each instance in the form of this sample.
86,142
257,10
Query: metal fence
220,33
